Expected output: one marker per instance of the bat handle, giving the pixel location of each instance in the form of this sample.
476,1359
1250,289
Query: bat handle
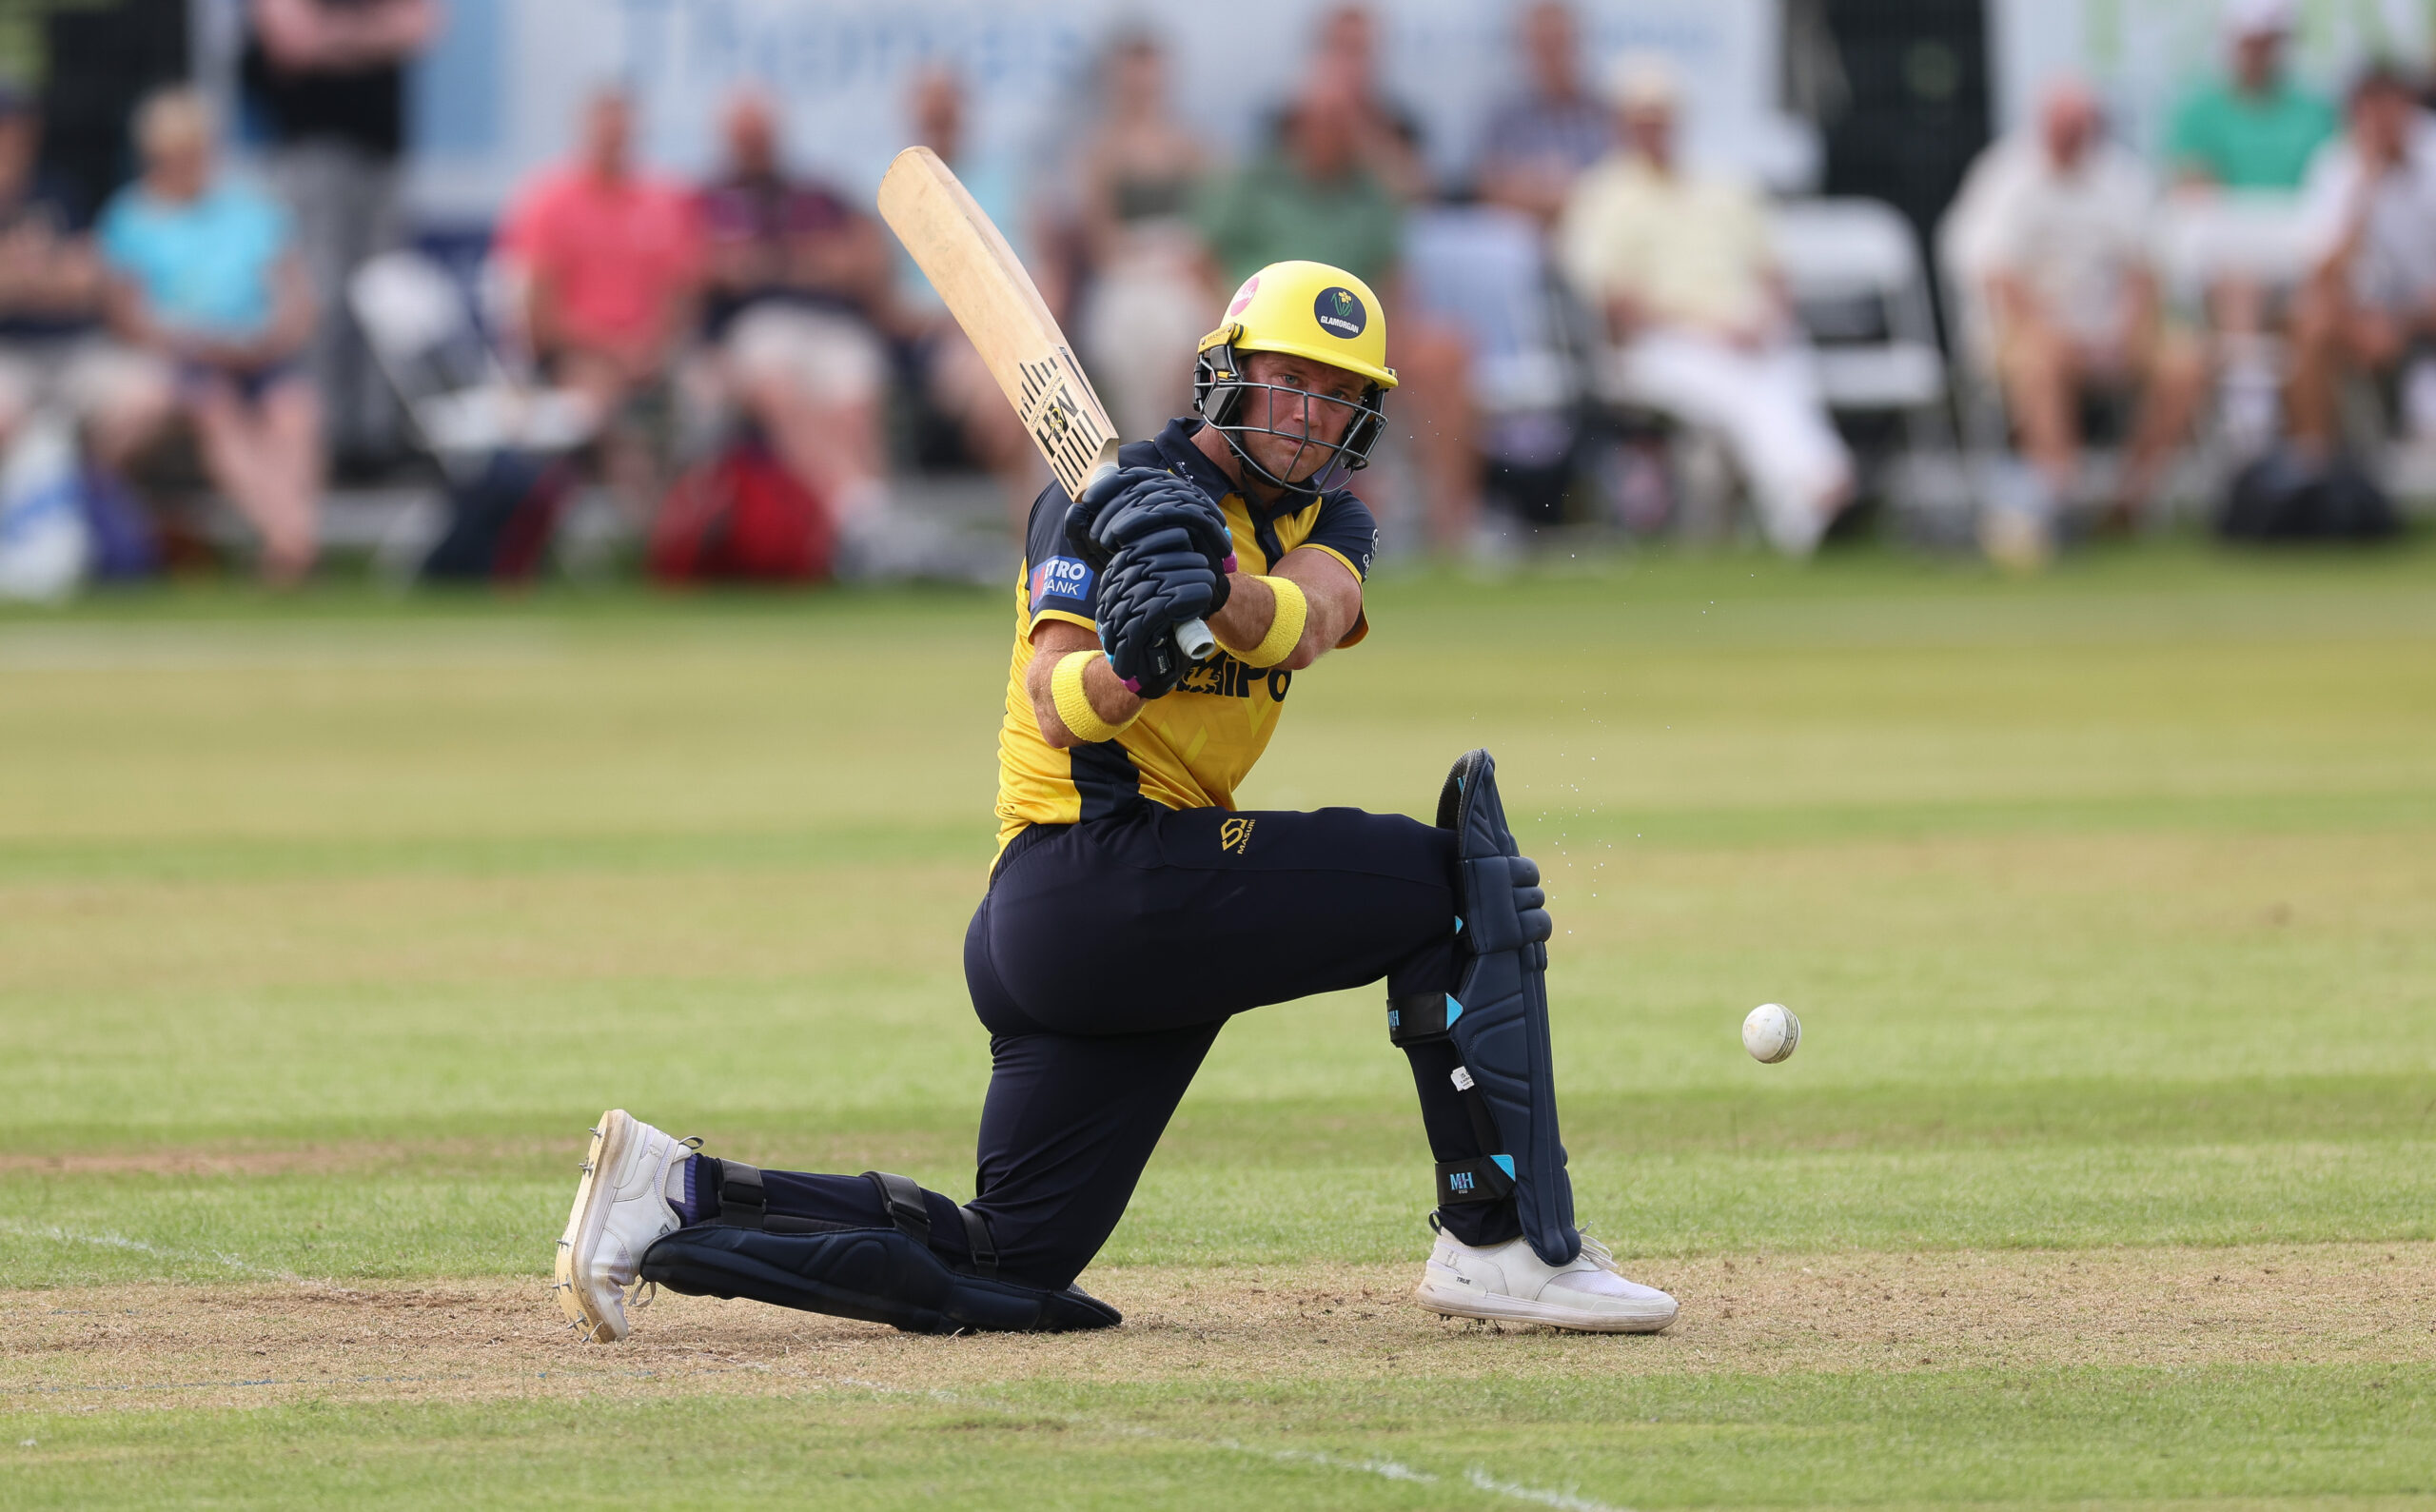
1192,636
1195,639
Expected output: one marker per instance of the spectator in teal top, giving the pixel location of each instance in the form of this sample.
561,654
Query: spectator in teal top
204,274
2256,129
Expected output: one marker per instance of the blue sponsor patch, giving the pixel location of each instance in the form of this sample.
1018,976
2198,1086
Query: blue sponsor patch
1062,581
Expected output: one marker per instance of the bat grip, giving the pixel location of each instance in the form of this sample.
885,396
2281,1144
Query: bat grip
1192,636
1195,639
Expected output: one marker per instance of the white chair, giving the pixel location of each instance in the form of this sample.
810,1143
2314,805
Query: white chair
460,397
1485,269
1857,257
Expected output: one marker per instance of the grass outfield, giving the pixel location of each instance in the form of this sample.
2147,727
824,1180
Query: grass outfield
2106,1173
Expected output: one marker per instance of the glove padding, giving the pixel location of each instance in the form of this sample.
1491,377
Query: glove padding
1530,899
1149,588
1138,508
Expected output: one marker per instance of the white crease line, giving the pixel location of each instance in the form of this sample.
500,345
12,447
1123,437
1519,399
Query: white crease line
1483,1481
108,1240
1385,1469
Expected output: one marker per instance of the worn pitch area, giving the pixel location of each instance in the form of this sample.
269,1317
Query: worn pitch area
161,1346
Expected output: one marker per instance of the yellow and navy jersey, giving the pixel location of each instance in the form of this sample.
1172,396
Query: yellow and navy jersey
1191,749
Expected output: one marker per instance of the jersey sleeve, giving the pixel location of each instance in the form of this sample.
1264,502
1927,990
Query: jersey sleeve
1347,531
1057,583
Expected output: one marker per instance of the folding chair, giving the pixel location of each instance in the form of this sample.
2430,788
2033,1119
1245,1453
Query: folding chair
1856,283
458,395
1485,270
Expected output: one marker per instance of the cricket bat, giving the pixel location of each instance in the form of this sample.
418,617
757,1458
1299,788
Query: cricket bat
995,300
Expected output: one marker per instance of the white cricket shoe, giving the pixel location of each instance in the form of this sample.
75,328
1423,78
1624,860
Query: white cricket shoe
1512,1284
621,1207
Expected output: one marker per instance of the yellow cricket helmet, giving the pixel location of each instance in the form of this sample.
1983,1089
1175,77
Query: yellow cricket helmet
1301,309
1310,309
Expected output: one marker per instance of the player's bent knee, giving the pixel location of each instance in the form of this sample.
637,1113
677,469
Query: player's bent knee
880,1275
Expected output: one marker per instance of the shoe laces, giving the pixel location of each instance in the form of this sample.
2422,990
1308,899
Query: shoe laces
1600,1255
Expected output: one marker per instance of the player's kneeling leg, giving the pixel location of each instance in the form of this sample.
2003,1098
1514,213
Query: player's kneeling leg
888,1275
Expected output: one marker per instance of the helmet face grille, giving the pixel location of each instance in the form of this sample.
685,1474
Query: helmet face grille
1225,398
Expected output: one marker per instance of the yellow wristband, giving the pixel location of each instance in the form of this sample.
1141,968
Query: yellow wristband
1286,631
1073,704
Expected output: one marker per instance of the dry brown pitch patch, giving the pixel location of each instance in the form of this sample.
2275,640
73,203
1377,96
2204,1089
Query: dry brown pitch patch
158,1346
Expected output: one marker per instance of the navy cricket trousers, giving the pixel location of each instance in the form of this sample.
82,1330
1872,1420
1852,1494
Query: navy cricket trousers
1104,961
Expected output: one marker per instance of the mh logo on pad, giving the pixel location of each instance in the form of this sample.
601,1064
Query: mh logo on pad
1340,312
1459,1180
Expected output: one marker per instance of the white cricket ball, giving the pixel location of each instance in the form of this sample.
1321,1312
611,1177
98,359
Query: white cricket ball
1771,1034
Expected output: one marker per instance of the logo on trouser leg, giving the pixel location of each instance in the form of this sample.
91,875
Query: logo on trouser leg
1235,834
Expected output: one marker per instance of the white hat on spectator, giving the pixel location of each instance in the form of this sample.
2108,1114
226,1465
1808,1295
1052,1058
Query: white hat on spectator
2257,18
1642,80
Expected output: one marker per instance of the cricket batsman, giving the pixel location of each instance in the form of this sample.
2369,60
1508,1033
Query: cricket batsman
1132,911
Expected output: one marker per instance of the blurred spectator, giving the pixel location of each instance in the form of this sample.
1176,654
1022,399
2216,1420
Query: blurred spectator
607,265
796,275
1312,196
2255,129
1543,138
2254,134
1315,197
1682,268
54,358
326,79
1147,300
1389,133
206,274
950,378
2058,229
2369,211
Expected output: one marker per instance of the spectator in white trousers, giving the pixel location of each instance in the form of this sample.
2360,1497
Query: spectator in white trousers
1681,266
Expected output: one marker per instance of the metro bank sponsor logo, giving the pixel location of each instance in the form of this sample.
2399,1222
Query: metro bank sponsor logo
1061,580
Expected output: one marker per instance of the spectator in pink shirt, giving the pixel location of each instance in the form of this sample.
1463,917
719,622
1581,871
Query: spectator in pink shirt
607,265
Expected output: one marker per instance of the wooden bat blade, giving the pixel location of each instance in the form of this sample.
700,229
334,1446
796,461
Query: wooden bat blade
986,289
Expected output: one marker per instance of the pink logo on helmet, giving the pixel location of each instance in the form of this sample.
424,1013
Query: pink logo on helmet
1244,297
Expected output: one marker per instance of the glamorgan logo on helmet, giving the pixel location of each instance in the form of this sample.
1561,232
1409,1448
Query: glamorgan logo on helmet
1340,312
